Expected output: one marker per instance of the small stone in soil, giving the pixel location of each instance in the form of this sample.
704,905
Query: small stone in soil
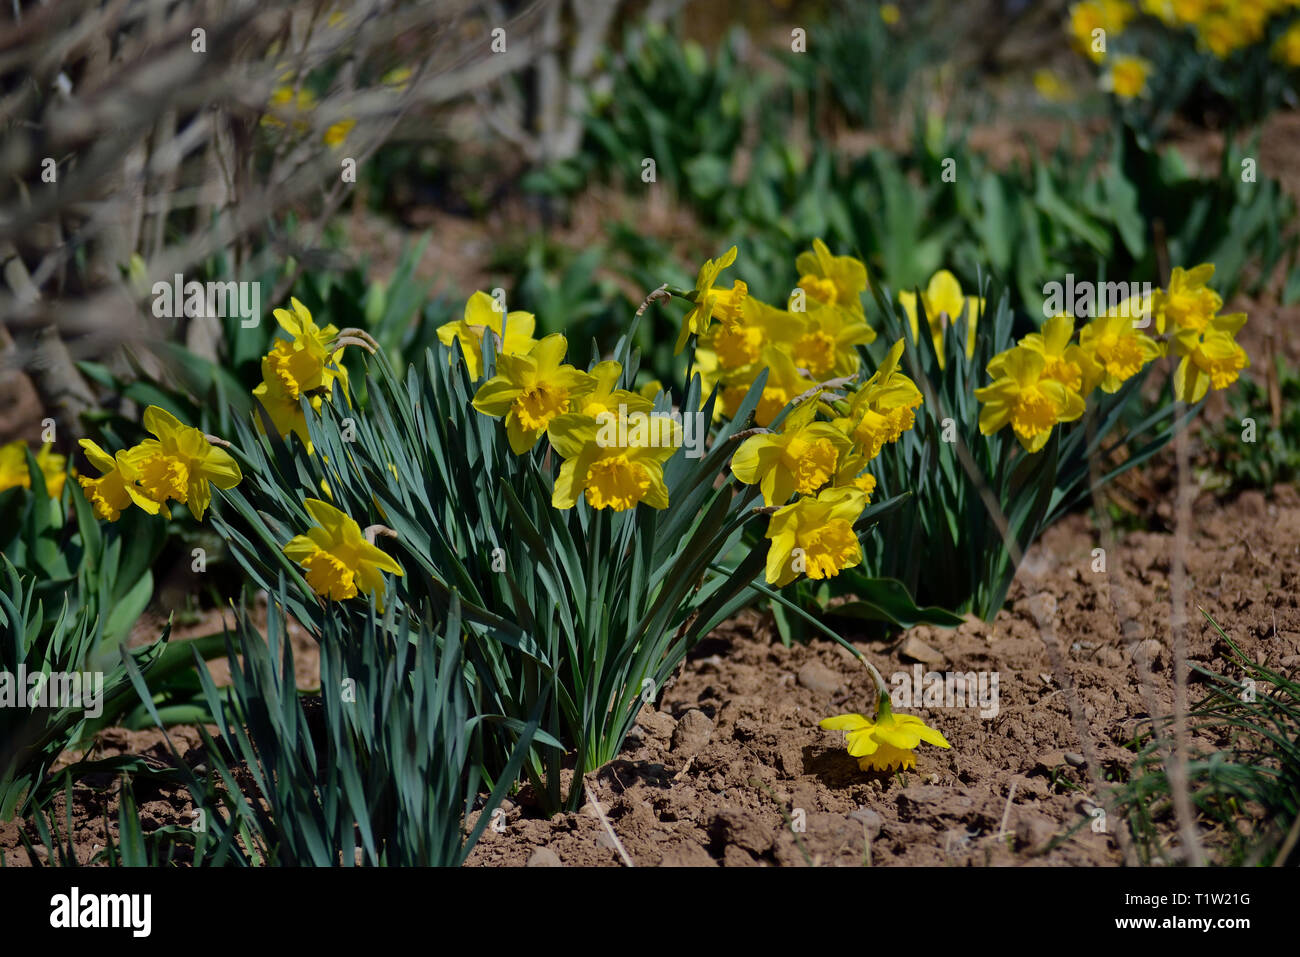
816,677
544,857
692,733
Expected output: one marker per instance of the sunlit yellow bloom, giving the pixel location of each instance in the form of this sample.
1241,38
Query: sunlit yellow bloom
852,473
114,491
801,458
617,463
1051,87
15,474
1189,11
651,390
827,344
709,302
1119,348
738,340
178,464
338,561
532,390
1222,35
1023,397
882,409
306,364
1188,303
512,333
605,398
832,280
1211,357
338,132
890,13
1286,50
943,302
288,105
1065,361
783,384
1127,77
1086,18
814,536
889,742
13,466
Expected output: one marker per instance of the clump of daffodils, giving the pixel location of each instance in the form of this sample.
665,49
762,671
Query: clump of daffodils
1046,379
823,464
887,741
612,448
812,466
812,339
179,464
1220,28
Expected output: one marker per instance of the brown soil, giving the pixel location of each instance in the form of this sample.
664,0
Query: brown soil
717,775
735,754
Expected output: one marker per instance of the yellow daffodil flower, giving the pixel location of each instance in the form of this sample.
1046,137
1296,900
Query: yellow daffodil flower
615,462
738,340
709,302
14,472
1286,49
783,384
801,458
1066,361
827,346
1127,77
605,398
1210,357
1023,396
512,332
13,466
815,536
54,468
288,105
179,463
883,408
852,473
114,491
339,562
306,364
943,302
832,280
1119,348
532,390
1109,16
338,133
889,742
1188,303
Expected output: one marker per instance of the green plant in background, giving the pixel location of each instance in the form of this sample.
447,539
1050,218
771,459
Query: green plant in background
1258,444
1253,773
1216,61
867,57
